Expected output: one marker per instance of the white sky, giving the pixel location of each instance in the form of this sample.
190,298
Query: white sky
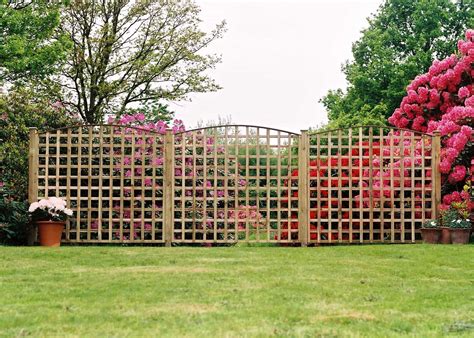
279,58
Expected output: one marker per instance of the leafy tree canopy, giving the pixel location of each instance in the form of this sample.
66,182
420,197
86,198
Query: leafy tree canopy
30,43
403,39
128,54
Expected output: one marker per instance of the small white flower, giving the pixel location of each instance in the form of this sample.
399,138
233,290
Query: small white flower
33,206
433,223
57,203
68,211
44,204
459,221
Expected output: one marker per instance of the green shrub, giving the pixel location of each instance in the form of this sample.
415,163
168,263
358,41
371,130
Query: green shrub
13,219
20,110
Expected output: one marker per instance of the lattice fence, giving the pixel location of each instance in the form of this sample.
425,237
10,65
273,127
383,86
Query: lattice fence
238,183
370,185
229,182
110,176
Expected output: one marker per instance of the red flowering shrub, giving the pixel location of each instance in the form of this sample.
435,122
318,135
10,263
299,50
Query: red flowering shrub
443,99
345,180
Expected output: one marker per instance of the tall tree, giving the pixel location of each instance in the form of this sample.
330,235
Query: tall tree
30,44
127,53
402,40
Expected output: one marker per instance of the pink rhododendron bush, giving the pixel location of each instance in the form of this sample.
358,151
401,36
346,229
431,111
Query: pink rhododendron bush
443,100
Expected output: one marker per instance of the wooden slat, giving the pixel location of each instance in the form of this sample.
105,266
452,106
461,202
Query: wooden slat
423,185
371,185
361,194
142,180
237,181
339,185
79,174
413,189
278,188
110,135
329,164
318,185
101,171
46,166
267,180
122,182
168,202
257,179
402,186
381,180
194,186
226,182
68,182
247,179
182,200
33,166
350,186
303,185
89,180
214,186
436,174
392,190
58,150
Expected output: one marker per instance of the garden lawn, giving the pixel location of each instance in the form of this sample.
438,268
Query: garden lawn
391,290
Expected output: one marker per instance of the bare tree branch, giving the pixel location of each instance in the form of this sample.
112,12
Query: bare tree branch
127,52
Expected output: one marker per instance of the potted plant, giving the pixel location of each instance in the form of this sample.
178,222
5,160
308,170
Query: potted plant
430,232
460,231
447,216
50,215
460,227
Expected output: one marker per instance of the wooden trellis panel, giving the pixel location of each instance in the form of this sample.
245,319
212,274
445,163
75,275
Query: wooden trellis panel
371,184
238,183
234,183
110,176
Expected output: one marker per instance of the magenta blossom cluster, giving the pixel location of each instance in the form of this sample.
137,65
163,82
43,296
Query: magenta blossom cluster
443,100
139,120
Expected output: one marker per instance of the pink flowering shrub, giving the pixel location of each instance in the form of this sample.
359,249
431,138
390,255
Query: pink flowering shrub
187,167
443,100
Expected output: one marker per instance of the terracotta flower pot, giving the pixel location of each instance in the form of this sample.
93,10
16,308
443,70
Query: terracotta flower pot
50,232
445,236
431,235
460,236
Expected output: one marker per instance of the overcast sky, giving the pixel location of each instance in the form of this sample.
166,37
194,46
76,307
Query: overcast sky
279,58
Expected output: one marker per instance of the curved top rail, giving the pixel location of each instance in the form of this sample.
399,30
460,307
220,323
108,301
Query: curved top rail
236,126
99,125
370,126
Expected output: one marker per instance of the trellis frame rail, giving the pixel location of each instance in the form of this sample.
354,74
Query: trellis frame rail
303,143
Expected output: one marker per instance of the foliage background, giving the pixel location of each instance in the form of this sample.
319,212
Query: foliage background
403,39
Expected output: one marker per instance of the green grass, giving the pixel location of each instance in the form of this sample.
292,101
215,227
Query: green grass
392,290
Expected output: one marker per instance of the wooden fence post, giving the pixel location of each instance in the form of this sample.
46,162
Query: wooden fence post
435,173
303,188
32,179
168,201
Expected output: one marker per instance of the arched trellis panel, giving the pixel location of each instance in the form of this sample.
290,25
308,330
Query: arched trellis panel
238,183
231,184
